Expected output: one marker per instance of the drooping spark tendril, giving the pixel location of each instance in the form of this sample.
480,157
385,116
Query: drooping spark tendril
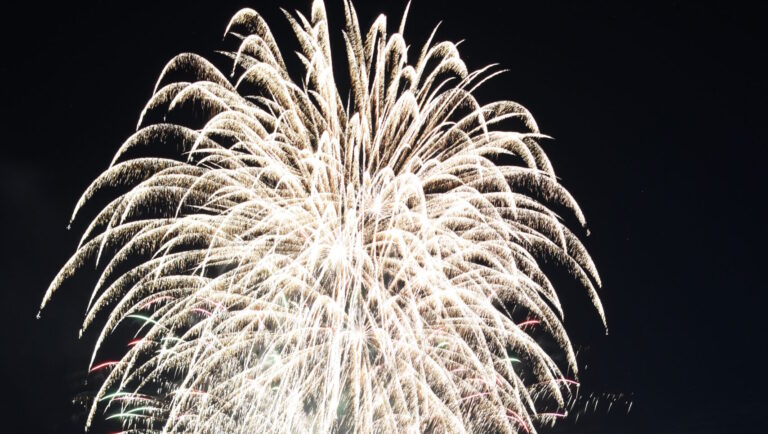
305,264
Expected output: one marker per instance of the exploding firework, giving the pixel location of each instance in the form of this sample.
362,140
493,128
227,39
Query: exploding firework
303,261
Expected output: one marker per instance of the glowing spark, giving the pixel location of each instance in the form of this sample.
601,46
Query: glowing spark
135,342
104,365
531,322
309,261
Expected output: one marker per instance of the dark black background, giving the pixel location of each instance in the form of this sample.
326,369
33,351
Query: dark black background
657,110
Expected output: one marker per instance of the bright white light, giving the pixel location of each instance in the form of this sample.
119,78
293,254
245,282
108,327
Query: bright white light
317,263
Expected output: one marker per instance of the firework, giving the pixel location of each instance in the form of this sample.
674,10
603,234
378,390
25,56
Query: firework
307,261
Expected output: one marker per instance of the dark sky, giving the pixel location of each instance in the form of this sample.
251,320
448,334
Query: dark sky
657,110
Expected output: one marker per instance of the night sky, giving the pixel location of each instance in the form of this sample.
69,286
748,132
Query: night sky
658,116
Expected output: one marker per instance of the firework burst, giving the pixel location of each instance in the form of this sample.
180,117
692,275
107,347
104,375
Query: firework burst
312,262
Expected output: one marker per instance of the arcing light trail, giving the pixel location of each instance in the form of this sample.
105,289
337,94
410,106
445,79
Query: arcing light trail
310,262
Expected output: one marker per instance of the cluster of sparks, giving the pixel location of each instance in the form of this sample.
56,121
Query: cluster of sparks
308,262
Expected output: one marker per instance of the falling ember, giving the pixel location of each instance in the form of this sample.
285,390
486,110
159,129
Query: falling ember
312,261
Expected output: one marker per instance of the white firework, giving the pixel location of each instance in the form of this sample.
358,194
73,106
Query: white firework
306,264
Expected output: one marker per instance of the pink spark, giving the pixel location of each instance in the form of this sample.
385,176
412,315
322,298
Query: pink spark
517,418
563,380
566,380
155,300
132,398
201,310
529,322
104,365
475,396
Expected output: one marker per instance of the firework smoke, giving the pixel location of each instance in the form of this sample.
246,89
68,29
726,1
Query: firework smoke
306,261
